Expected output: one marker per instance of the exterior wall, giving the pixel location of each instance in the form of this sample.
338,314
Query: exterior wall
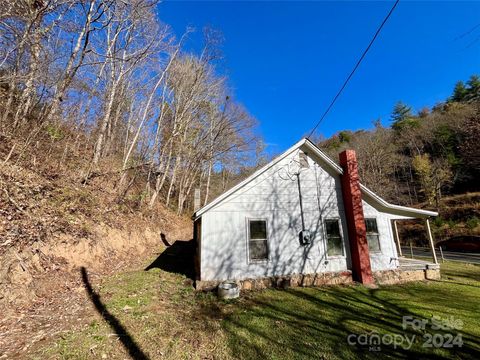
274,197
387,258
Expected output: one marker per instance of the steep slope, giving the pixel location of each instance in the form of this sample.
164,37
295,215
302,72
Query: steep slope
51,224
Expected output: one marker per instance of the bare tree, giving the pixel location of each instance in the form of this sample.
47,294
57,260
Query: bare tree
109,79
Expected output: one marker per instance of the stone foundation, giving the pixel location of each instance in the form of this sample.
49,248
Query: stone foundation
296,280
388,277
385,277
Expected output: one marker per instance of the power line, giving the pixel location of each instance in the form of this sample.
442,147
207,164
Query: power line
467,32
354,69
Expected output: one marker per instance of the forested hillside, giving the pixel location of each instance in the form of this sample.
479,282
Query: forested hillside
109,79
427,158
107,125
103,91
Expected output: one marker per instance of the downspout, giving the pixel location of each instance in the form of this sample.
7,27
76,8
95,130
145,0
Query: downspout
301,203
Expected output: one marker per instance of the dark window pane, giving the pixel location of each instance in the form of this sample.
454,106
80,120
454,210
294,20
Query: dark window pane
332,227
373,242
372,235
258,249
371,225
334,246
258,229
334,239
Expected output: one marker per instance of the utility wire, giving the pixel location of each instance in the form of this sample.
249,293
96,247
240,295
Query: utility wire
354,69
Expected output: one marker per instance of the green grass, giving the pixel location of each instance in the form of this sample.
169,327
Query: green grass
165,318
314,323
146,314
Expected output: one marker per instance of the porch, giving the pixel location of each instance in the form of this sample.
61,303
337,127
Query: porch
408,270
407,264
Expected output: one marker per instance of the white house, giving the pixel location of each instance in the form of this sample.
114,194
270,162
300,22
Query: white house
299,217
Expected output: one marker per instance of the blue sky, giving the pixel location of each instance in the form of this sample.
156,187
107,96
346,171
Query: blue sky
286,60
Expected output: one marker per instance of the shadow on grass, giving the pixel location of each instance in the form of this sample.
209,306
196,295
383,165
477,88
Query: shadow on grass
472,276
316,322
130,345
452,280
176,258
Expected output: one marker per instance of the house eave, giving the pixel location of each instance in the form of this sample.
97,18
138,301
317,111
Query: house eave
260,171
401,211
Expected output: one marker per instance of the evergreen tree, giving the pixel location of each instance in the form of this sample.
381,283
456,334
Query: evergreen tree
401,112
468,92
459,92
344,136
473,88
402,116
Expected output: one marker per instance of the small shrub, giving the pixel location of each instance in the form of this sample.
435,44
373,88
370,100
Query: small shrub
54,132
472,223
451,223
438,222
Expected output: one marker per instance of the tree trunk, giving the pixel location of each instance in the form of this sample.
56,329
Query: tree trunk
207,186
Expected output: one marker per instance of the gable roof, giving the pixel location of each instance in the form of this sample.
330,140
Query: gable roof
401,211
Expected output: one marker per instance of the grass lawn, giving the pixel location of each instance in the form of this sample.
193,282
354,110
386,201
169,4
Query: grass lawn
156,314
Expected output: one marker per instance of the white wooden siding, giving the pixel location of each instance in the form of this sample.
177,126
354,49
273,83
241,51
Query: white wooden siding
273,196
387,258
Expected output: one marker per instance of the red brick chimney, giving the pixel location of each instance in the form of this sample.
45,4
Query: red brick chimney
357,233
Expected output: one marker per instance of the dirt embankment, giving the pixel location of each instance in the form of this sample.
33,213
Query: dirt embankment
51,225
42,292
23,272
458,218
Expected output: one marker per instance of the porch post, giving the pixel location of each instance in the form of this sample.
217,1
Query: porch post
432,247
397,238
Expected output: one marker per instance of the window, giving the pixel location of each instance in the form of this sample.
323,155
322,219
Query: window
334,238
257,241
373,238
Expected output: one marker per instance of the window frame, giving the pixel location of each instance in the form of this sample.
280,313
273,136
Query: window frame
379,251
256,261
342,238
